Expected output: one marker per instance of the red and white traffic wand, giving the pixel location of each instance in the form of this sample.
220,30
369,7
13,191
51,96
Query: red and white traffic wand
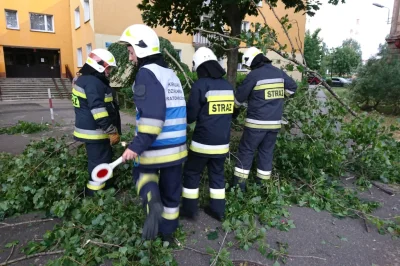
103,172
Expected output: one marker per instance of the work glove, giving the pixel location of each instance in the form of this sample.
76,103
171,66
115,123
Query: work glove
150,227
114,138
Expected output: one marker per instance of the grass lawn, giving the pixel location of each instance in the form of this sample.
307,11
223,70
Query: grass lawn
388,120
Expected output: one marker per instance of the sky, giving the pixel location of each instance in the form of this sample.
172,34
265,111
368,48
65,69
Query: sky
339,22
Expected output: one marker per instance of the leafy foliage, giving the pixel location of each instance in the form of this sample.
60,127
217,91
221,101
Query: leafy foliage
313,50
378,83
345,59
24,128
307,170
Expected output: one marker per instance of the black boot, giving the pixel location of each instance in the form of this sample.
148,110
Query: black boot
241,182
150,227
187,215
213,214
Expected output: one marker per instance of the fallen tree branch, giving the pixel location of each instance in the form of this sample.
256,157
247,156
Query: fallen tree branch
101,244
219,251
180,67
9,256
265,23
32,256
299,256
189,248
48,156
382,188
284,29
28,222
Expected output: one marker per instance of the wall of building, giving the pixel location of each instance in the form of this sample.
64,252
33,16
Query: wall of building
84,34
24,37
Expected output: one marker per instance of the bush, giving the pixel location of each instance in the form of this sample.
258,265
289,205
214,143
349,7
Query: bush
329,81
24,127
377,84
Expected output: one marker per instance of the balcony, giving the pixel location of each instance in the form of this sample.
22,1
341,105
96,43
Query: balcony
202,39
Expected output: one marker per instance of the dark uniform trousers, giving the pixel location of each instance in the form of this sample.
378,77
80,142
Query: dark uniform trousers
164,183
251,141
97,153
192,174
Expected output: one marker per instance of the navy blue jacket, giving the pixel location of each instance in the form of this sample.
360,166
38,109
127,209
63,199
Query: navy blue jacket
95,113
265,88
211,105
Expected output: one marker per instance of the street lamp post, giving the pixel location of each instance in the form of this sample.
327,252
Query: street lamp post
382,6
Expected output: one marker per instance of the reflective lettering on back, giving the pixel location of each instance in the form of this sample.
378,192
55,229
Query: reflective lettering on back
219,108
75,101
274,94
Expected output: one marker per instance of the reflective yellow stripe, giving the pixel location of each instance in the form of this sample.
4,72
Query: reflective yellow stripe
94,187
108,99
204,151
190,196
87,136
162,159
265,177
144,179
170,216
78,93
269,86
214,98
100,115
217,193
236,173
149,129
262,126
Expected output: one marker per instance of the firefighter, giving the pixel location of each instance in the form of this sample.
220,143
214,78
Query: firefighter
159,146
96,118
210,104
264,88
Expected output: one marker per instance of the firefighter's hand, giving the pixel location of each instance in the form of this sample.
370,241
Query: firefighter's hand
129,155
114,138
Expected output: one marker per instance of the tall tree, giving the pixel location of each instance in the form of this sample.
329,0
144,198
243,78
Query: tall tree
313,49
346,58
225,18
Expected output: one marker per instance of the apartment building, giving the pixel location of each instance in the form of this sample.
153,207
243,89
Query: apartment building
39,38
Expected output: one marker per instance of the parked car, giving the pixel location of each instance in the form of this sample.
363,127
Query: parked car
312,80
340,82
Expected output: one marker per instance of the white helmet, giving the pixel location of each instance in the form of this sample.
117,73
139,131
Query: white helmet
249,55
203,54
142,38
100,59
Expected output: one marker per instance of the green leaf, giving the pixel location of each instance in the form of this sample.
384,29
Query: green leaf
323,242
123,250
276,264
11,244
342,238
212,235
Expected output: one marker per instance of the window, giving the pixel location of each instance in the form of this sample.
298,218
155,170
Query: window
245,26
12,19
79,54
77,18
86,9
88,48
260,3
40,22
108,44
179,52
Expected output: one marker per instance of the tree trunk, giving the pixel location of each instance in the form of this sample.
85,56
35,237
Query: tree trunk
235,24
232,66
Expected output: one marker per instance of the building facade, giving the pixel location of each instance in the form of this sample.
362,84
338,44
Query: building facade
39,38
394,36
